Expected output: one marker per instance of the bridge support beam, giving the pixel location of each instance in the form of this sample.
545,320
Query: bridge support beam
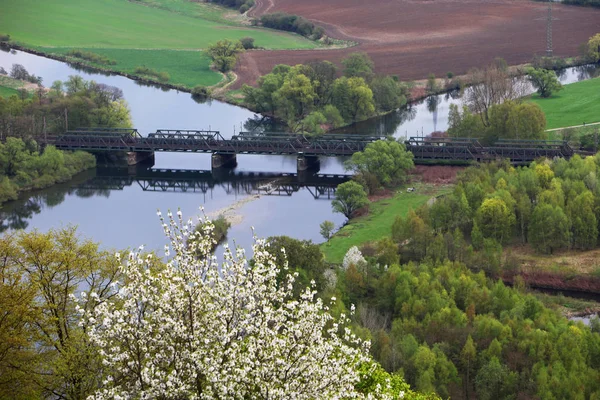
220,160
138,157
306,163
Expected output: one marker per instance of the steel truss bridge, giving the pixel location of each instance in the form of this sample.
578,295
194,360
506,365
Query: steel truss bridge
471,150
320,186
101,139
280,143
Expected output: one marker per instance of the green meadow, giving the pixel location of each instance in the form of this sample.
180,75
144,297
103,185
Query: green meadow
137,33
377,224
575,104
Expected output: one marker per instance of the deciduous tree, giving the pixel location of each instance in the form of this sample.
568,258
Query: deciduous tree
544,81
350,196
224,54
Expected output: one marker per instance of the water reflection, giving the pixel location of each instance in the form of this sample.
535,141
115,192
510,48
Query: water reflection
102,181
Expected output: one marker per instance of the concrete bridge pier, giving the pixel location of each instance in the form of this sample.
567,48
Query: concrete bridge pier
221,160
308,163
139,157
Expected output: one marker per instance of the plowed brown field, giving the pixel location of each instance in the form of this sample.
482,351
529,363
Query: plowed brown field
413,38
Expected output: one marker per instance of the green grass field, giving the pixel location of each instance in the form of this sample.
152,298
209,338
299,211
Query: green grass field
9,86
7,92
575,104
378,223
188,68
144,32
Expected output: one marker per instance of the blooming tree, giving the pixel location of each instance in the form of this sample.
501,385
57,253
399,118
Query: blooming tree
199,329
353,257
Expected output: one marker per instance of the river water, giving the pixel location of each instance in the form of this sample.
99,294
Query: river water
118,209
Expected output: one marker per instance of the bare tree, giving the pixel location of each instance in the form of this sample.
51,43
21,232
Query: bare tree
493,85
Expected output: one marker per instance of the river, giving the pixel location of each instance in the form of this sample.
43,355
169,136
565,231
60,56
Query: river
118,209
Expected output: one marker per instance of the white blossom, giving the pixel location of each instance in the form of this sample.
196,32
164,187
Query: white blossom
198,329
353,257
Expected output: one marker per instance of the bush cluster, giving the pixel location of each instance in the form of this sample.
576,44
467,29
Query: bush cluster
241,5
143,70
92,57
292,23
25,168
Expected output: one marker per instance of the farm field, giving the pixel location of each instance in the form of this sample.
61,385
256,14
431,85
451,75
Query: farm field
414,38
575,104
123,29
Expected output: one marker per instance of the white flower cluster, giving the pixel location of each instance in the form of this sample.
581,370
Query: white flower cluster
197,329
353,257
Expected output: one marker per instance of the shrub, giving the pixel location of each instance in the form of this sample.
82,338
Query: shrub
200,91
292,23
92,57
143,70
247,43
4,37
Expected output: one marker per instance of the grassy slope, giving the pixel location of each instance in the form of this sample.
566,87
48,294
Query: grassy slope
7,92
9,86
146,32
575,104
378,223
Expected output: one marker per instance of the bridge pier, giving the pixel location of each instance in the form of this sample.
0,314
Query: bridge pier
305,163
138,157
221,160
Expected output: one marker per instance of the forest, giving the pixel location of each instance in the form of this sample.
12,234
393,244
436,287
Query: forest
430,297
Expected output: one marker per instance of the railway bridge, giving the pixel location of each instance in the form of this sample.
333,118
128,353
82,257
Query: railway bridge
308,149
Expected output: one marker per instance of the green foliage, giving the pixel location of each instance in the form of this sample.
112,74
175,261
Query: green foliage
22,168
303,94
247,43
200,91
92,57
353,98
327,228
495,220
224,54
544,81
549,229
593,48
292,23
350,196
509,120
385,160
358,65
145,71
43,350
388,94
455,330
431,86
303,257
